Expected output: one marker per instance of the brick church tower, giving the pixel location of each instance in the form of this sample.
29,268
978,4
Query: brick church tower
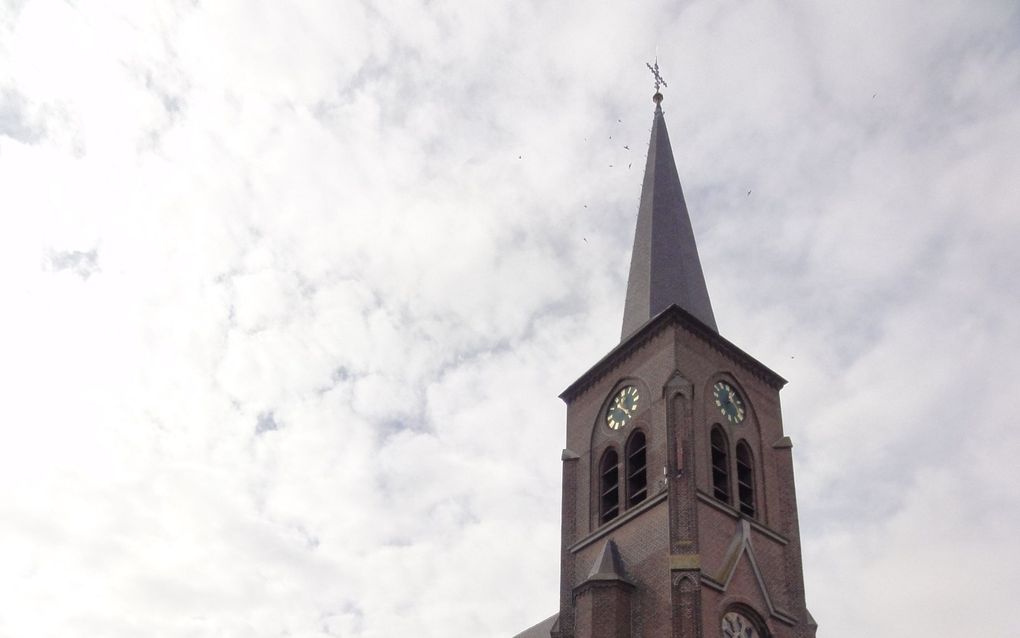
679,511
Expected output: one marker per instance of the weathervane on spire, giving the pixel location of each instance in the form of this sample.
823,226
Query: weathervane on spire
658,79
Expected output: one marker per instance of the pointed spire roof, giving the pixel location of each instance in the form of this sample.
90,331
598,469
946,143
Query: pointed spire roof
664,266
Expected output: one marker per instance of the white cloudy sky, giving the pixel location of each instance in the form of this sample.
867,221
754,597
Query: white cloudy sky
290,290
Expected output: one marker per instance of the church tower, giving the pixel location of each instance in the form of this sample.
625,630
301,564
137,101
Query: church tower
679,510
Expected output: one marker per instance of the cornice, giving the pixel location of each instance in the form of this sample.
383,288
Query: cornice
672,316
732,512
619,522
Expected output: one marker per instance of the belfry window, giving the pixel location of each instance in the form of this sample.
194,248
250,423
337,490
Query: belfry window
609,486
745,479
720,466
637,466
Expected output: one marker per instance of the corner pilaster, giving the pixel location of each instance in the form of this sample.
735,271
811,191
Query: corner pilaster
568,532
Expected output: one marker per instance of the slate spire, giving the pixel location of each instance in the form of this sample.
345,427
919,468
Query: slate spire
664,266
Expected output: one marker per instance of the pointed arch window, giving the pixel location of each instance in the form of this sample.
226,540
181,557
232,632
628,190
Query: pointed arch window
609,486
720,466
745,479
637,469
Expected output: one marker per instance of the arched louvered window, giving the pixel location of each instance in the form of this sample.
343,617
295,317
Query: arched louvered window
720,466
637,466
609,486
745,479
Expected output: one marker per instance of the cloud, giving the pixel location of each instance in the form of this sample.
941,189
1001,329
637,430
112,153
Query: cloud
82,263
290,293
266,423
15,122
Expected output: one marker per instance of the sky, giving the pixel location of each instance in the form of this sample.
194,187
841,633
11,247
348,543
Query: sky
290,291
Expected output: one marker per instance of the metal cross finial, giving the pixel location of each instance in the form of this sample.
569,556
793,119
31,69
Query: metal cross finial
655,71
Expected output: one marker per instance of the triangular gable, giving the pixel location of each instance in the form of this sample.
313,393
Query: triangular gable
741,548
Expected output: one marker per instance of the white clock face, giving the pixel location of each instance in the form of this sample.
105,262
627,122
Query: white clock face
735,625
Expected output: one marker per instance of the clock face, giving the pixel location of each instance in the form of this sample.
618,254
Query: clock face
735,625
622,408
728,402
